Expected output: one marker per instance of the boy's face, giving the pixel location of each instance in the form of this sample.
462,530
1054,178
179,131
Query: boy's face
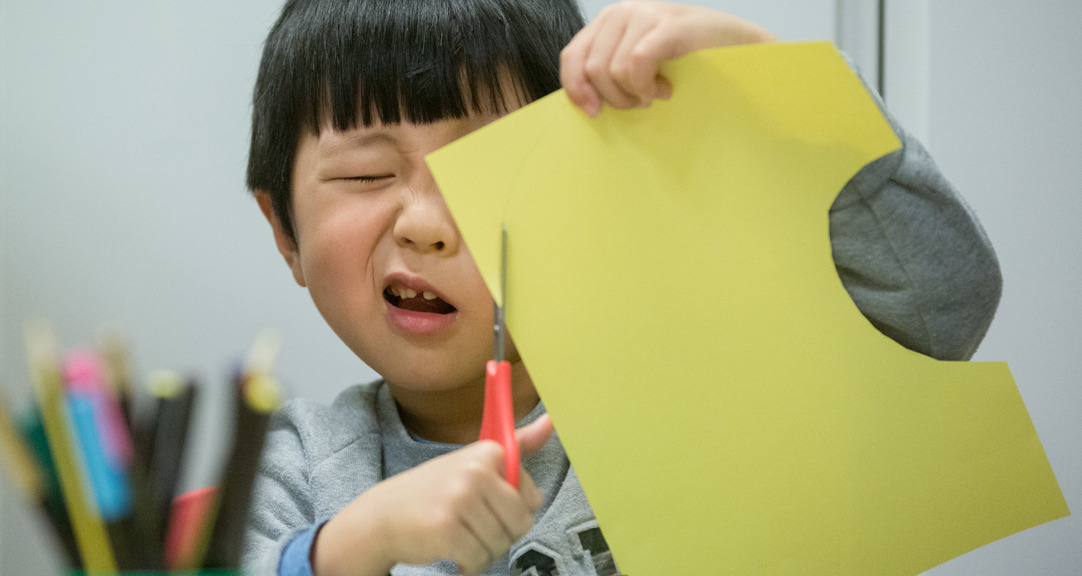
381,256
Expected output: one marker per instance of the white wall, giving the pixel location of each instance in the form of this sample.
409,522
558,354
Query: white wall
789,19
999,94
123,137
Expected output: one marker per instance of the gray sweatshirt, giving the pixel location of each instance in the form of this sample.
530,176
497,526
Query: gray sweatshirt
907,248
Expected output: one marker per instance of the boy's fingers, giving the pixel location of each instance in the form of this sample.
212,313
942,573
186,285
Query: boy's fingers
577,86
533,436
529,492
472,558
664,88
489,529
469,550
635,61
490,514
573,76
513,510
598,61
653,49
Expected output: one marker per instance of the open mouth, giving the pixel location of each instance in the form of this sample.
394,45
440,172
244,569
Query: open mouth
408,299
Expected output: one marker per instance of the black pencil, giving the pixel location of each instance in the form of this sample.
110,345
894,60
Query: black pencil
170,444
256,397
160,448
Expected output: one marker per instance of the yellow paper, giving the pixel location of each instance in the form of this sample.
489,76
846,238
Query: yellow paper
672,292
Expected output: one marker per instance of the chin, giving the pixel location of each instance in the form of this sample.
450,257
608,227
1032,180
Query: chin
435,367
424,376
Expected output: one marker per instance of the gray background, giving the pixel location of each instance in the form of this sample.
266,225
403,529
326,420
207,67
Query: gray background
123,138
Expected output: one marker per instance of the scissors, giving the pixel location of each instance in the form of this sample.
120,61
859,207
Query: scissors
498,419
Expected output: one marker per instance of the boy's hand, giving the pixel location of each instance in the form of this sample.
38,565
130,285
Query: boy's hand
456,507
615,59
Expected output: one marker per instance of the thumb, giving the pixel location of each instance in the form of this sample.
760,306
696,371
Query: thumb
533,436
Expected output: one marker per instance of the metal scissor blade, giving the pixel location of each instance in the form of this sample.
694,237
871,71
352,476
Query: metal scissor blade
499,327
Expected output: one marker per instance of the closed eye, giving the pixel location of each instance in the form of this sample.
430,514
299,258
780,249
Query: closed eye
368,178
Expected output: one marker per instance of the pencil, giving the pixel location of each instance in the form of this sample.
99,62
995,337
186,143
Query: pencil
118,373
52,499
93,543
103,438
176,399
187,524
32,480
18,461
150,518
257,396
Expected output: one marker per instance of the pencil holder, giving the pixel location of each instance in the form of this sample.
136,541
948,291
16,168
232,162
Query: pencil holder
105,476
161,573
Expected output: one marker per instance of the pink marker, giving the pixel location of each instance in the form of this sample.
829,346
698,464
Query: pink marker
83,376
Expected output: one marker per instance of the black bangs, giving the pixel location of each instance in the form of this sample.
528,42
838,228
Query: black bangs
354,62
427,60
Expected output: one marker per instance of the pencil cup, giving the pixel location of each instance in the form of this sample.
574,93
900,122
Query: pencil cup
162,573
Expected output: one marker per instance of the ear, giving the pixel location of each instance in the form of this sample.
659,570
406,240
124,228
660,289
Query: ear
286,245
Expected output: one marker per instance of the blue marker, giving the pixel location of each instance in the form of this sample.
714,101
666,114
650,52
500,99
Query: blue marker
89,405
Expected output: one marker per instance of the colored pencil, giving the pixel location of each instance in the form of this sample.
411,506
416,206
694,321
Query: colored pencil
93,542
257,396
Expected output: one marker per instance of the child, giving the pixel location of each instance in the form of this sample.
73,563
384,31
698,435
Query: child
351,95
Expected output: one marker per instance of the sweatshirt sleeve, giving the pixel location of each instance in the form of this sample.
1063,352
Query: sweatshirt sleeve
912,255
281,504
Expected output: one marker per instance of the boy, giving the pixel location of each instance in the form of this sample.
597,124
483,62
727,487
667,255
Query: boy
351,95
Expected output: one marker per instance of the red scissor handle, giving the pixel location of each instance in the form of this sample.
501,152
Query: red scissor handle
498,420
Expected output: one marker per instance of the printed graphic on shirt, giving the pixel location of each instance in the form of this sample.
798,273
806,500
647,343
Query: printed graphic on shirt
587,544
535,561
594,545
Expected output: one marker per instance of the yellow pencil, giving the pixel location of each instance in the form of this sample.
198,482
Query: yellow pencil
90,535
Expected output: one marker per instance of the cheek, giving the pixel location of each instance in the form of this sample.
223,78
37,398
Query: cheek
336,254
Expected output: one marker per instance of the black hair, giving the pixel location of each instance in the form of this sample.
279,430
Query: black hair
350,61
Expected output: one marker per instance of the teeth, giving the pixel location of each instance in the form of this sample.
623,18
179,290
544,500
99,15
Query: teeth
408,293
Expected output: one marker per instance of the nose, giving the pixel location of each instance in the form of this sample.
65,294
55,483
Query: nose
425,225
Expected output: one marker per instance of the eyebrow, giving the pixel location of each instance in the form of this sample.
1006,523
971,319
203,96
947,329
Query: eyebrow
358,139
